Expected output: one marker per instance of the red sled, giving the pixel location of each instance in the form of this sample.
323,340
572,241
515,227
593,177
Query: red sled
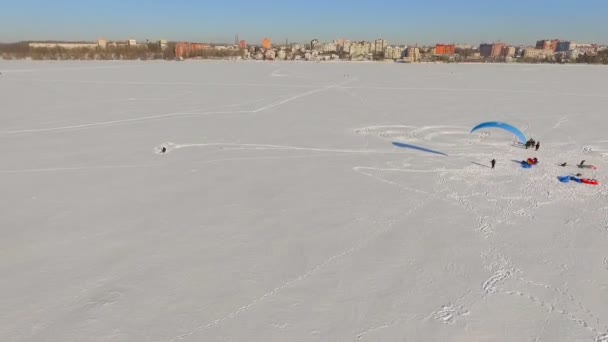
590,181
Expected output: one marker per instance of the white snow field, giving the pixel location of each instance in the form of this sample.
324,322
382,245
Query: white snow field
282,212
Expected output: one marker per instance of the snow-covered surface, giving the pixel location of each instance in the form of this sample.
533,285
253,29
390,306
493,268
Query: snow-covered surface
281,211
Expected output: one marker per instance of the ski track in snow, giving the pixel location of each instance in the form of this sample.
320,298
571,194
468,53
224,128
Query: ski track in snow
478,90
80,168
504,278
502,271
388,227
172,146
176,114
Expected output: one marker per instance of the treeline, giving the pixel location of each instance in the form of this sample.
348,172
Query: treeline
212,53
148,51
141,52
600,58
15,50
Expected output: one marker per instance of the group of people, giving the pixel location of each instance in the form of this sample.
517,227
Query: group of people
532,144
532,161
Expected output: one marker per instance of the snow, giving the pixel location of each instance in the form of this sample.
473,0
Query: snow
282,212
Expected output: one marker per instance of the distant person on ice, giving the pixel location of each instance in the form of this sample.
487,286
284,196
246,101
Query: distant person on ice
493,162
530,143
563,164
537,145
163,150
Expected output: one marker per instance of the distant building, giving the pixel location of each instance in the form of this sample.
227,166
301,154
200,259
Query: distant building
413,54
548,44
497,49
394,52
379,46
537,53
315,45
492,50
102,43
360,49
266,44
243,45
564,46
585,48
485,50
132,42
282,54
508,51
443,49
340,43
270,54
329,47
162,44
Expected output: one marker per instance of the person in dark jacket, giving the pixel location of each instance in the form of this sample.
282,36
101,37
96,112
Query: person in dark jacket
493,162
537,145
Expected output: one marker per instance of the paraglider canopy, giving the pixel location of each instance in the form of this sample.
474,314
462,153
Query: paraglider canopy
501,125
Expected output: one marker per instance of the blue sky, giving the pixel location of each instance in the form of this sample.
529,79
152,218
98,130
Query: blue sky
400,22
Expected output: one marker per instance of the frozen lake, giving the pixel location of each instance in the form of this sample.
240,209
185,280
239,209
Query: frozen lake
282,212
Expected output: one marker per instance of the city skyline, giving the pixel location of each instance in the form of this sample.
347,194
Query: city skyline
433,21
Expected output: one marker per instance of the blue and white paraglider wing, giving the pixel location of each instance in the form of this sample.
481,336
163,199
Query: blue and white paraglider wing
504,126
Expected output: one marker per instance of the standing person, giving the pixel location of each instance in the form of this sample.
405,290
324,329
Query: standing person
537,145
493,162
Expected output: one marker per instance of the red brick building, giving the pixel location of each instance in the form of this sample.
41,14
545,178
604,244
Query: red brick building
443,49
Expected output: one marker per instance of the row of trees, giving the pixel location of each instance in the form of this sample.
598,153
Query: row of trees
600,58
212,53
140,52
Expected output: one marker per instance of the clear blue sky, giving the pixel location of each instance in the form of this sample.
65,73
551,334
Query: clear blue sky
399,21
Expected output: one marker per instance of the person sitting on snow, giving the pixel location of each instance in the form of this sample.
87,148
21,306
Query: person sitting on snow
532,161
